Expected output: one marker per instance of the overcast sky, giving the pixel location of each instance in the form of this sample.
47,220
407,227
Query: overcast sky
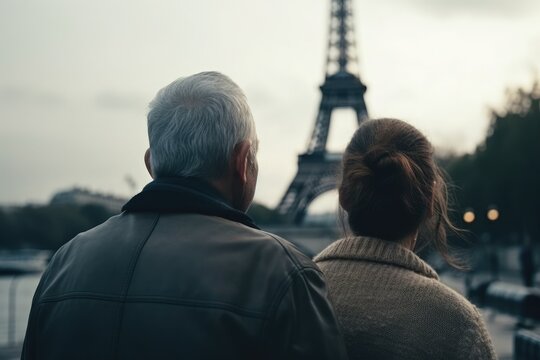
76,77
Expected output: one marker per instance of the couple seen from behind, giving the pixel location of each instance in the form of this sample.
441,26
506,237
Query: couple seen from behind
184,273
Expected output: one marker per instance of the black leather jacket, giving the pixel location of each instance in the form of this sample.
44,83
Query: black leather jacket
181,275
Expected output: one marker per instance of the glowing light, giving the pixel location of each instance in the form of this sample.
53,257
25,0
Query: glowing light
493,214
469,216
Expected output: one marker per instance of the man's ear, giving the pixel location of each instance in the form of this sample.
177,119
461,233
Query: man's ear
241,160
147,162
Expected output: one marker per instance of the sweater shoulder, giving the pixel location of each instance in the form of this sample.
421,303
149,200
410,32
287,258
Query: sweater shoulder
474,339
453,301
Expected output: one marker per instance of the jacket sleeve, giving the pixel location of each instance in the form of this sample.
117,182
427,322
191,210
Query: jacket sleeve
28,350
303,325
29,344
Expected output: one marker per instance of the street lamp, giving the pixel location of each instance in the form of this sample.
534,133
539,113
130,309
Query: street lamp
493,214
469,216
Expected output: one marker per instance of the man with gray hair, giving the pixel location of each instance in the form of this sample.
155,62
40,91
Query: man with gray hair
183,272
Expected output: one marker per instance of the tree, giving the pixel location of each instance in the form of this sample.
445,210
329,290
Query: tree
504,171
47,226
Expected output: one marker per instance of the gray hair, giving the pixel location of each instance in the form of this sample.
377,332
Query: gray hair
194,124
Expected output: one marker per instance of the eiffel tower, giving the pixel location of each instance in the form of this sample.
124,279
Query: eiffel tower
342,88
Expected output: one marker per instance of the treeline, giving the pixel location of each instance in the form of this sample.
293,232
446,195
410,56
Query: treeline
50,226
503,173
47,226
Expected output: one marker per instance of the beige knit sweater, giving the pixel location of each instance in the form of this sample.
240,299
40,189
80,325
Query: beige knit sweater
391,305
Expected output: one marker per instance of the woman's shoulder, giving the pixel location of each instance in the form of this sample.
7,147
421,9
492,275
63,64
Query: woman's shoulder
446,301
463,320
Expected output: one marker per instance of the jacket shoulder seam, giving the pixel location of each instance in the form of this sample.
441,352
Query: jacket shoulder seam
282,291
293,259
155,300
127,281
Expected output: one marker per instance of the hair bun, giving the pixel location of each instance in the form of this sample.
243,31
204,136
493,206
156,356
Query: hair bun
380,159
388,164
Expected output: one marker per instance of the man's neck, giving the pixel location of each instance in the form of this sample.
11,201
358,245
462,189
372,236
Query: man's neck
222,186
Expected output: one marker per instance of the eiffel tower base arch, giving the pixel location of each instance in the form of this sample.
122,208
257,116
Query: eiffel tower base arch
317,174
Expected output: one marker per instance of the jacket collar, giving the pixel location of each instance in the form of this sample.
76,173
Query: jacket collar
376,250
185,196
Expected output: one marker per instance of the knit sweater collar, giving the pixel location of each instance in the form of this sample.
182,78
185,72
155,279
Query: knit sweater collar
376,250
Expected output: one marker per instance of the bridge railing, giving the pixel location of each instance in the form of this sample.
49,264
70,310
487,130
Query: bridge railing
16,292
515,300
526,345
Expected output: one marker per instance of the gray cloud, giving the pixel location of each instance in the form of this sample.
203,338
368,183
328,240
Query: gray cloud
119,101
504,8
14,95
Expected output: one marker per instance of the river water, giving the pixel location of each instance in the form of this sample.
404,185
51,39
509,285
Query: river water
16,293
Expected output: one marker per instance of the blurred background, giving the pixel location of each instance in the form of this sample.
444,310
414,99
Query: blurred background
76,78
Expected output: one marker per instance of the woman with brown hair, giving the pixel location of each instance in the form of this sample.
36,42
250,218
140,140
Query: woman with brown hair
390,303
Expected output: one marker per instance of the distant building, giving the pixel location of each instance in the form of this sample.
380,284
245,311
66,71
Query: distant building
79,196
7,209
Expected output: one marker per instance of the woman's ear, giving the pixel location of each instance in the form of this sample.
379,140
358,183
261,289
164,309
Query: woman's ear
343,201
148,162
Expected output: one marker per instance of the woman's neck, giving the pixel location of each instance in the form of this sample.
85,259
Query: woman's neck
409,241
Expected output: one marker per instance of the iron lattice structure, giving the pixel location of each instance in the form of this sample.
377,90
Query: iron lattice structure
342,88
